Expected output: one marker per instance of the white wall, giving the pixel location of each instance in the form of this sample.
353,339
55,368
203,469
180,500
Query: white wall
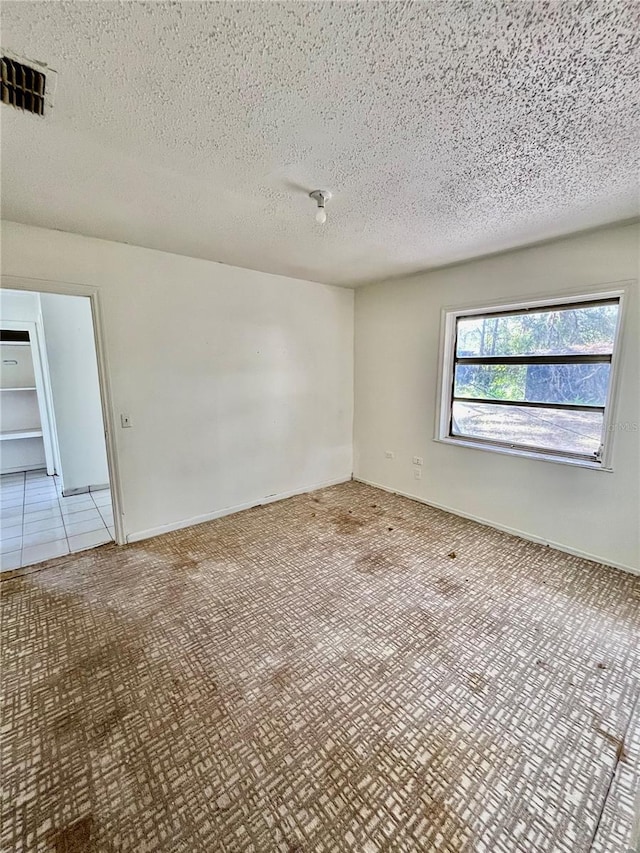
397,328
239,384
73,372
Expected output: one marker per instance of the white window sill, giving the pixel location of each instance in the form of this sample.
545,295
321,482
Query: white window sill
529,454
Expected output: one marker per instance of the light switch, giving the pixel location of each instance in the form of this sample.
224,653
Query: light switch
125,421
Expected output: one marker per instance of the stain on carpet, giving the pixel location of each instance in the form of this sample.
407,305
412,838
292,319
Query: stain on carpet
323,673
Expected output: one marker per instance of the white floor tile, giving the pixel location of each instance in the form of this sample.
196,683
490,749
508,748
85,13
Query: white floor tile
89,540
10,514
11,488
13,498
77,500
90,514
9,561
74,508
13,502
39,537
8,491
13,544
40,485
10,531
11,510
42,524
37,523
6,503
18,500
40,505
102,499
47,551
42,514
73,528
39,497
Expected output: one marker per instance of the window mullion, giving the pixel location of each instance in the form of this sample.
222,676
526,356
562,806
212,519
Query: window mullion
570,407
599,358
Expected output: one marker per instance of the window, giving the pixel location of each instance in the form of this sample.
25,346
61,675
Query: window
531,379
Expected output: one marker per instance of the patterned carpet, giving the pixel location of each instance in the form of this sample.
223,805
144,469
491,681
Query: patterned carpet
341,671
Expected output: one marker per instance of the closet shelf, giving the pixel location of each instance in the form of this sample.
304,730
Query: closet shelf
11,435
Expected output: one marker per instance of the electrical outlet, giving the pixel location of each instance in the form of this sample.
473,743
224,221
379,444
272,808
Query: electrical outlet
125,421
417,474
417,460
389,454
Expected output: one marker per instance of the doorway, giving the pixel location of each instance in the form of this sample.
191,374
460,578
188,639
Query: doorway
55,484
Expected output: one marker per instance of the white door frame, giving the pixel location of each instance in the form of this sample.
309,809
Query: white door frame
48,396
41,285
38,358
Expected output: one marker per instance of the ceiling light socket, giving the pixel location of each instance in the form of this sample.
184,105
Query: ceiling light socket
320,197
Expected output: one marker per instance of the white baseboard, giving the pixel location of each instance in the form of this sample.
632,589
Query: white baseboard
20,468
83,490
503,527
219,513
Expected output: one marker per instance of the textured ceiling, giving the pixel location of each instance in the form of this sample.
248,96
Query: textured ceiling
445,130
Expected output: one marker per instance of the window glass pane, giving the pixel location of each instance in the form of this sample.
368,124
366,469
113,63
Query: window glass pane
546,429
577,384
584,330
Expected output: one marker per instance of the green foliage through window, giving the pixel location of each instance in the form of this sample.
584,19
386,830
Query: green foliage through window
548,369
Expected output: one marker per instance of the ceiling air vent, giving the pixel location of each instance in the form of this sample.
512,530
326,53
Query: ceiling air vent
23,86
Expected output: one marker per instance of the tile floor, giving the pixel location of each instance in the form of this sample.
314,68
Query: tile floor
37,523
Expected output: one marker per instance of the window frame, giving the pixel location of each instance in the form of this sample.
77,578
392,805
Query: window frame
446,375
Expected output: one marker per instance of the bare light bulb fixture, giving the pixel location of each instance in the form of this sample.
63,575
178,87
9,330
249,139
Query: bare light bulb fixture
320,197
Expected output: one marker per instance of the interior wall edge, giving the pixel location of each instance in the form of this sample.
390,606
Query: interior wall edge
220,513
503,528
256,398
398,366
177,255
627,222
